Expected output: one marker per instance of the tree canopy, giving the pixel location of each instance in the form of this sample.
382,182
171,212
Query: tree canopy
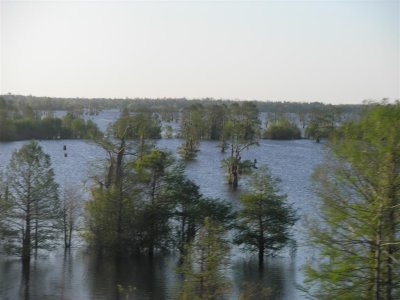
359,191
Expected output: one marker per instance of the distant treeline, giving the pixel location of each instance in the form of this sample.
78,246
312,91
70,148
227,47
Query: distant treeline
164,104
19,121
28,117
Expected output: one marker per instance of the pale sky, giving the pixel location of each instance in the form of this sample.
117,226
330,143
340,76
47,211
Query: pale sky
328,51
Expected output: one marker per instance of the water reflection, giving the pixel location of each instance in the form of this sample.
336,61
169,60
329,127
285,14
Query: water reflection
77,274
25,280
135,278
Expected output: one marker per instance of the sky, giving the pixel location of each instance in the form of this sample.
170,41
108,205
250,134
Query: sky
327,51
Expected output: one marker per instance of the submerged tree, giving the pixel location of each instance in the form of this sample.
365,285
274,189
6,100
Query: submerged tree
203,263
111,202
192,131
265,218
241,131
34,210
72,209
359,190
155,209
191,208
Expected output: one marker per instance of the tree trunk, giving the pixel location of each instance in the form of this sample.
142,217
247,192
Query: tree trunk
378,258
261,257
261,247
235,179
26,243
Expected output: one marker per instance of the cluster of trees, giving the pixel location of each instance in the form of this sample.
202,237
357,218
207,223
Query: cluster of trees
21,122
236,126
322,122
143,203
359,190
199,119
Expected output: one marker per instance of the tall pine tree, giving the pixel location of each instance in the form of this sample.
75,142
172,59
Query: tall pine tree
34,210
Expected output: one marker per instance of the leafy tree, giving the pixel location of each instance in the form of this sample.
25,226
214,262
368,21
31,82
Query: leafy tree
5,205
203,263
141,126
359,191
113,201
168,132
73,126
155,208
192,131
127,212
191,208
265,218
242,131
32,194
322,122
216,117
7,127
72,209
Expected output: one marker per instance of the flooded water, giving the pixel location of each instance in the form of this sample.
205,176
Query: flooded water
81,275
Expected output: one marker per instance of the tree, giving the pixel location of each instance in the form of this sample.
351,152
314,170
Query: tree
192,131
359,192
204,260
241,131
155,208
265,218
322,122
113,202
141,127
191,208
34,211
72,208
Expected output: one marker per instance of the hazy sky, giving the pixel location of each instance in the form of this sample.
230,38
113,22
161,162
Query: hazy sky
329,51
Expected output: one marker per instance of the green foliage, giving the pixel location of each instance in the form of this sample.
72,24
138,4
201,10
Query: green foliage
216,117
359,190
22,123
192,131
33,209
131,214
74,127
143,127
72,209
282,130
113,206
265,218
322,122
138,126
168,132
203,264
191,208
168,107
155,209
241,131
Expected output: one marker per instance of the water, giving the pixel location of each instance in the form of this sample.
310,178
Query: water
81,275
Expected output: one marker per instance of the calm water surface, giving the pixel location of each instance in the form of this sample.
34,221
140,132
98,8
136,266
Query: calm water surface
81,275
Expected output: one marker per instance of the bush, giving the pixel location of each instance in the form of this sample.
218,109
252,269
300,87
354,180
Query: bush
282,130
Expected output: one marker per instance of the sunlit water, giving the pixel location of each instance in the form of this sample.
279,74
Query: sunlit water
82,275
